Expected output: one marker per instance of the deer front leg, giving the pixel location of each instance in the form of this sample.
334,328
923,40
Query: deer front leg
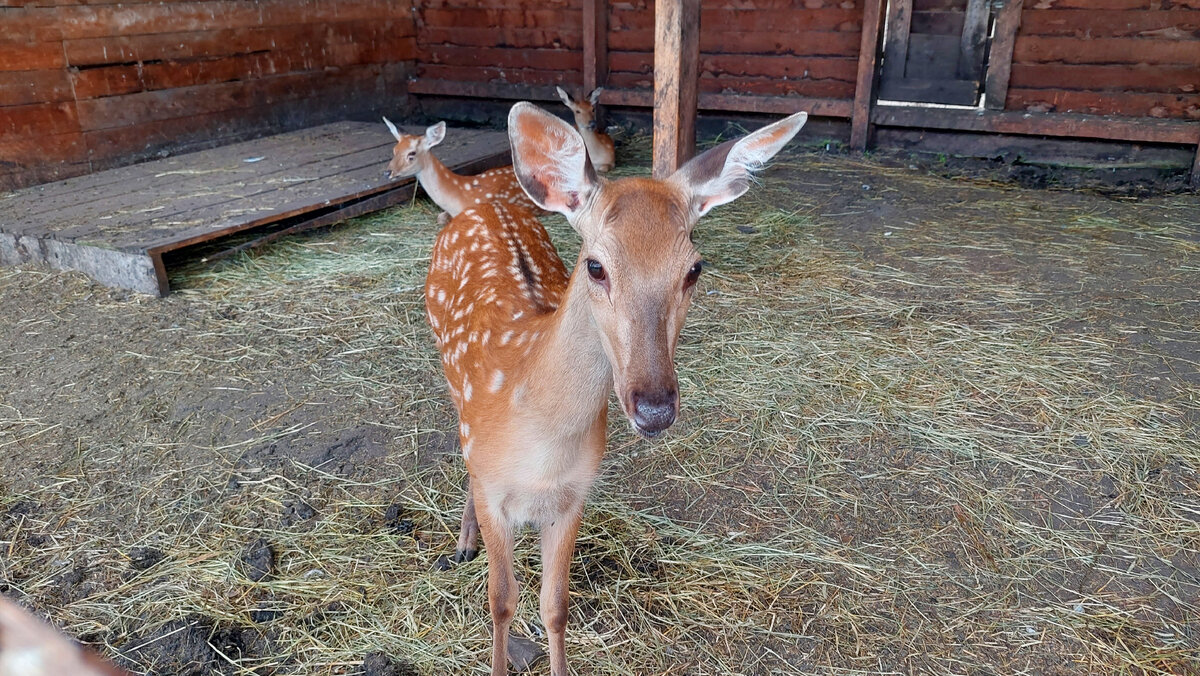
468,534
502,583
558,545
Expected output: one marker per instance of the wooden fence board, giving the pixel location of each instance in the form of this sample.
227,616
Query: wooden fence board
1039,49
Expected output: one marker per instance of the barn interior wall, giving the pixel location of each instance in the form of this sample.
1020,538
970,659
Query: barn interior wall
86,84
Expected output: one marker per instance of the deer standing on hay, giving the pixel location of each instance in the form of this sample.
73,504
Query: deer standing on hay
599,145
411,158
530,355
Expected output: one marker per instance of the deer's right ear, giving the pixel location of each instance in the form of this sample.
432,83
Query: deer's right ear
435,134
563,95
550,160
392,128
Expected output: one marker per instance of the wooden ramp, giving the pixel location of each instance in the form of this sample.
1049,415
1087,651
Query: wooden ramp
116,225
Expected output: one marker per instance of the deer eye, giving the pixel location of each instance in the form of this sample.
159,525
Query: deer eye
595,270
412,156
693,274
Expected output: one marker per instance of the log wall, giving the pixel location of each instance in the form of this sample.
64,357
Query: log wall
88,84
1138,58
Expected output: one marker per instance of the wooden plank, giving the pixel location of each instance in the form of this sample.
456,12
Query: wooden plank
222,172
932,57
1130,104
758,19
37,119
37,86
895,44
1000,57
1038,49
1164,24
502,36
1119,78
951,92
1058,124
751,65
676,56
774,43
553,19
864,91
974,39
937,23
546,59
22,55
595,44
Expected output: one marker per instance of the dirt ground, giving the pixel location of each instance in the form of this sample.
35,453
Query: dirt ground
930,425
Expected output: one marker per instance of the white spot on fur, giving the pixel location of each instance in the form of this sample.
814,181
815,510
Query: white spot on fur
497,381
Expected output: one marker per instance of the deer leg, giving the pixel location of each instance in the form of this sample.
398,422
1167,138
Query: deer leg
558,545
468,535
502,583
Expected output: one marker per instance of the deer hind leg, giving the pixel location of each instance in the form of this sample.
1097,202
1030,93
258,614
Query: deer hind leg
558,545
502,583
468,534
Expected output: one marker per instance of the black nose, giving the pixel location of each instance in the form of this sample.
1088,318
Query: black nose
653,411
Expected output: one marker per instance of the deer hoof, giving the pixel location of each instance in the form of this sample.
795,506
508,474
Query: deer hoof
465,555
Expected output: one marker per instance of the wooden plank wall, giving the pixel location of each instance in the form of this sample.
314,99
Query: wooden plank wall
90,84
508,41
767,47
1137,58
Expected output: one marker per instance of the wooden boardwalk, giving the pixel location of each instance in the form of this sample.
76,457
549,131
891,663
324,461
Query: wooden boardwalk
116,225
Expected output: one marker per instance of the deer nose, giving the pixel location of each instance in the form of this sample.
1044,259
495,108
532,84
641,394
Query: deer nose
653,411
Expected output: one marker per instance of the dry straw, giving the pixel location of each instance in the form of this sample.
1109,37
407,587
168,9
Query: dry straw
881,468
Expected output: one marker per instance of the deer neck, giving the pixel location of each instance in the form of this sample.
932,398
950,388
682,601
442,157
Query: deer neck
444,186
571,370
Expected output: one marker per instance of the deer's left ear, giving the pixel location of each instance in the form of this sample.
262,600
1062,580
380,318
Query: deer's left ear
594,97
723,174
435,134
550,160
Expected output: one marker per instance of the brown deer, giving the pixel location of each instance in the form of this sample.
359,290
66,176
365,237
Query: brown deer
411,158
531,353
599,145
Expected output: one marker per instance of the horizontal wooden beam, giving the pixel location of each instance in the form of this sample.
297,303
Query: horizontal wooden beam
1039,124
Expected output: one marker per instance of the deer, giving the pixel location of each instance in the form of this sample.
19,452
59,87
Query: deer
531,352
599,145
412,158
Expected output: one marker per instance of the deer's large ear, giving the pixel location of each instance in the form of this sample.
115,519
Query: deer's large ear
392,128
594,97
550,160
563,95
723,174
435,134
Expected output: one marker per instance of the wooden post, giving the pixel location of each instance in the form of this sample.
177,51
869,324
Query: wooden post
864,89
595,45
676,60
1195,179
995,86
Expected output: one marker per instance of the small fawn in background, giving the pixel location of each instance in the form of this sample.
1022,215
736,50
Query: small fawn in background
600,147
411,157
531,354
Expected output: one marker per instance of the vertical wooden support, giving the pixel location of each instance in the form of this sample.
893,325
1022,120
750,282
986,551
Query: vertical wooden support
676,60
995,87
895,47
595,44
972,41
864,89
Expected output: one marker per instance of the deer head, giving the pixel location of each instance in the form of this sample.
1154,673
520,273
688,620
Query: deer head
409,153
584,109
640,264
